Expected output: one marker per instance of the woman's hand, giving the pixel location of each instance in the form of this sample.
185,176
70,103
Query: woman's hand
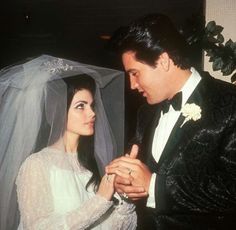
106,187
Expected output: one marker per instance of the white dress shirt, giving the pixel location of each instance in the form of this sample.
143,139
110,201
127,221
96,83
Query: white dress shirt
164,128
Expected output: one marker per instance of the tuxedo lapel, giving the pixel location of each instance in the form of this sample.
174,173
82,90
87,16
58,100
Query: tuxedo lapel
172,142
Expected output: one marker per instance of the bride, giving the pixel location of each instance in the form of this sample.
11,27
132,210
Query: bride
53,108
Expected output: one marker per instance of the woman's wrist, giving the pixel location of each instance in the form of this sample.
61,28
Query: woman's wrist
103,197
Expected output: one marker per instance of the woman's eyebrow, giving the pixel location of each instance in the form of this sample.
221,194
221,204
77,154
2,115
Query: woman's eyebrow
85,102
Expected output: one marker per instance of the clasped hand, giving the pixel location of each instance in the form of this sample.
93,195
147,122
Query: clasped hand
132,176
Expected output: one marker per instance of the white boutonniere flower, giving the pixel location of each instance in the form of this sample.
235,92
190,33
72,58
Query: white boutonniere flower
191,112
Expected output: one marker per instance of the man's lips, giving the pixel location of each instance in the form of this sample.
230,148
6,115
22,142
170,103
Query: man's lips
143,93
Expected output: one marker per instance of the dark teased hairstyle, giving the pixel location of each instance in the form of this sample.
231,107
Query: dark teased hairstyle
149,37
86,143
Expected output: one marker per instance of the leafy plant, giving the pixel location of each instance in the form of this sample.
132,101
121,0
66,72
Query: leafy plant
210,39
223,57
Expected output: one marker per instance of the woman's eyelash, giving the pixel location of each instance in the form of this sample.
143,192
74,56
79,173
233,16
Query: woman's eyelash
79,106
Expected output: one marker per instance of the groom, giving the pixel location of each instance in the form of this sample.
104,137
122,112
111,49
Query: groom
186,171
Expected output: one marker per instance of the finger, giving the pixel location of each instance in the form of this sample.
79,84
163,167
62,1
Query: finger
140,193
115,160
118,190
111,163
122,164
134,152
135,199
121,171
125,159
118,172
122,180
108,179
132,189
137,195
124,173
111,178
104,178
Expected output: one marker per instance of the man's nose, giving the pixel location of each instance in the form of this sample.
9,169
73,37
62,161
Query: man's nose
133,82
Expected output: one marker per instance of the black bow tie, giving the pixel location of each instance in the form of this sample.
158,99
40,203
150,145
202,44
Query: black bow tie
175,101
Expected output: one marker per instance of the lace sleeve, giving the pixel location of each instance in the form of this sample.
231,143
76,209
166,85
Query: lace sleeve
124,216
36,203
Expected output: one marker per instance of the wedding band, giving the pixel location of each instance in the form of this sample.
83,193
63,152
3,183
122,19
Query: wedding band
107,178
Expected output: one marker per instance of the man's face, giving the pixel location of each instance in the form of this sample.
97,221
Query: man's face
151,82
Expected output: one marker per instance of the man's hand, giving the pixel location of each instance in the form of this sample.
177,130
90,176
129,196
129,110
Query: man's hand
133,192
133,177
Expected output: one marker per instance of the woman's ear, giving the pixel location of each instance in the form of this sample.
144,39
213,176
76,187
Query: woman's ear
164,61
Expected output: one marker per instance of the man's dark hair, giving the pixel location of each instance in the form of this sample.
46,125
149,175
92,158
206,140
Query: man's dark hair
149,37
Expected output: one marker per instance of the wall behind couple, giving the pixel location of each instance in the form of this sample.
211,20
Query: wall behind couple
78,30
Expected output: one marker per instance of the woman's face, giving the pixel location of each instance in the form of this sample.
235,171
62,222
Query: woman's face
81,116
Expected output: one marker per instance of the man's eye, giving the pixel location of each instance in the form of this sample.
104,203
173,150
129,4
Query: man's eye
134,74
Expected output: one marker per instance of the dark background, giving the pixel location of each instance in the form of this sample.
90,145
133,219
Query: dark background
75,29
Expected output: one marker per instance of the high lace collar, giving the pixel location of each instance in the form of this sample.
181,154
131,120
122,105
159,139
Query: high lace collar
56,150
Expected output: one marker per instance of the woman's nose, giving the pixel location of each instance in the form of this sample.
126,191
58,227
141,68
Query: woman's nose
91,113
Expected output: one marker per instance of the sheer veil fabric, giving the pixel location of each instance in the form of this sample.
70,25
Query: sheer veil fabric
33,102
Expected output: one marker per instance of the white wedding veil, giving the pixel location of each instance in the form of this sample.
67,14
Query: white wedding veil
33,97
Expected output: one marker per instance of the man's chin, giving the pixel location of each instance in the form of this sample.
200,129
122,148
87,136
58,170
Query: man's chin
150,102
153,101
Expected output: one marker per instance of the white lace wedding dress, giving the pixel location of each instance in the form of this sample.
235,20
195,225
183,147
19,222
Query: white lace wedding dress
52,195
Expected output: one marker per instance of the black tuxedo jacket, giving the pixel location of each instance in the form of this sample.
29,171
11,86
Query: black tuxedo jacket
196,174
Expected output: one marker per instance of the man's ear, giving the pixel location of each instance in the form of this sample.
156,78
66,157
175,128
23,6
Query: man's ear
164,61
